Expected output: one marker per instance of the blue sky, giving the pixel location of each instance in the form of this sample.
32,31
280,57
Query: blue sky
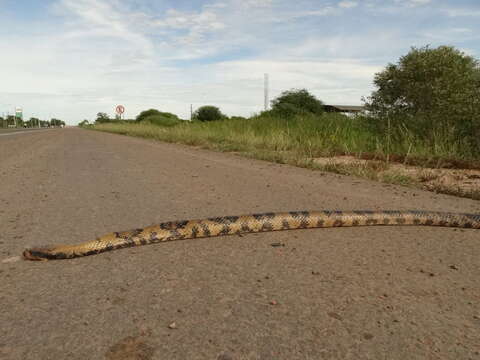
73,58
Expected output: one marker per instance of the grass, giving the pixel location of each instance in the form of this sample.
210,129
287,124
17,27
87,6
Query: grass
300,140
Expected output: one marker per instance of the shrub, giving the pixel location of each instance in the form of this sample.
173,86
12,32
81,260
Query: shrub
434,93
162,120
208,113
101,118
296,101
144,114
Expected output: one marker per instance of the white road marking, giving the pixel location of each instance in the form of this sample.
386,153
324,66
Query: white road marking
22,132
11,259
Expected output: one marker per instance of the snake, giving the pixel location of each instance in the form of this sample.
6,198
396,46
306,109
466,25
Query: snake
252,223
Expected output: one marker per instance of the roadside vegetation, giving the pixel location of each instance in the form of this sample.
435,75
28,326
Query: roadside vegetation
12,121
425,112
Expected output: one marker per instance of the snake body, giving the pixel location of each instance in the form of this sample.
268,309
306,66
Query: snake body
229,225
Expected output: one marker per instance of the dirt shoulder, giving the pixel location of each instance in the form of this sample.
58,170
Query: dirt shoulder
456,181
362,293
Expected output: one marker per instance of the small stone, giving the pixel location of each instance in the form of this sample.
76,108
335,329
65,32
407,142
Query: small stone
225,356
367,336
173,325
335,316
273,302
453,267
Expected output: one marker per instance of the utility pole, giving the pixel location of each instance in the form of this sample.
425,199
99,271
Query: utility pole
265,90
191,112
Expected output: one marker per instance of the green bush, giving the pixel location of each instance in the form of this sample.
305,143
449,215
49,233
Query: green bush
208,113
101,118
296,102
433,93
147,113
162,120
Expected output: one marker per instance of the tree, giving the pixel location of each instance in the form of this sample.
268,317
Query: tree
150,113
32,122
157,117
208,113
434,92
102,118
296,101
56,122
84,123
15,120
11,120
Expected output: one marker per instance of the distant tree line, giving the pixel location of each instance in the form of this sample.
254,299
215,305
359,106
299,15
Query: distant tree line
288,104
13,121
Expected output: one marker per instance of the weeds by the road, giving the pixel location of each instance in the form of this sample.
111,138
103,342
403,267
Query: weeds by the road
301,140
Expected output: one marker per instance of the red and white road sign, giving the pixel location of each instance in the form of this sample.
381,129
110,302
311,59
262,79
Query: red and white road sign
120,109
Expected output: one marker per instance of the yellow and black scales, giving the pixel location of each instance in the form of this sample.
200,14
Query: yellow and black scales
230,225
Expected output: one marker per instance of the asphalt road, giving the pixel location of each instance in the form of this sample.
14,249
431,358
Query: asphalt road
16,131
342,293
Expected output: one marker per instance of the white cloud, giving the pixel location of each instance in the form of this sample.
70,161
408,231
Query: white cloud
341,81
412,3
419,2
347,4
196,24
462,12
92,20
256,3
201,21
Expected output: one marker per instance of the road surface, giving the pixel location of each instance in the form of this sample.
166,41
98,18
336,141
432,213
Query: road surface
343,293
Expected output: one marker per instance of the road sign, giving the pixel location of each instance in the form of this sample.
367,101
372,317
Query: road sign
19,113
120,109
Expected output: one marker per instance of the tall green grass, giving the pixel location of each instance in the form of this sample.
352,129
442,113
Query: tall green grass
300,138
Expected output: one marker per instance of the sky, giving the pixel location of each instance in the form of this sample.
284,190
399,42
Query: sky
71,59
